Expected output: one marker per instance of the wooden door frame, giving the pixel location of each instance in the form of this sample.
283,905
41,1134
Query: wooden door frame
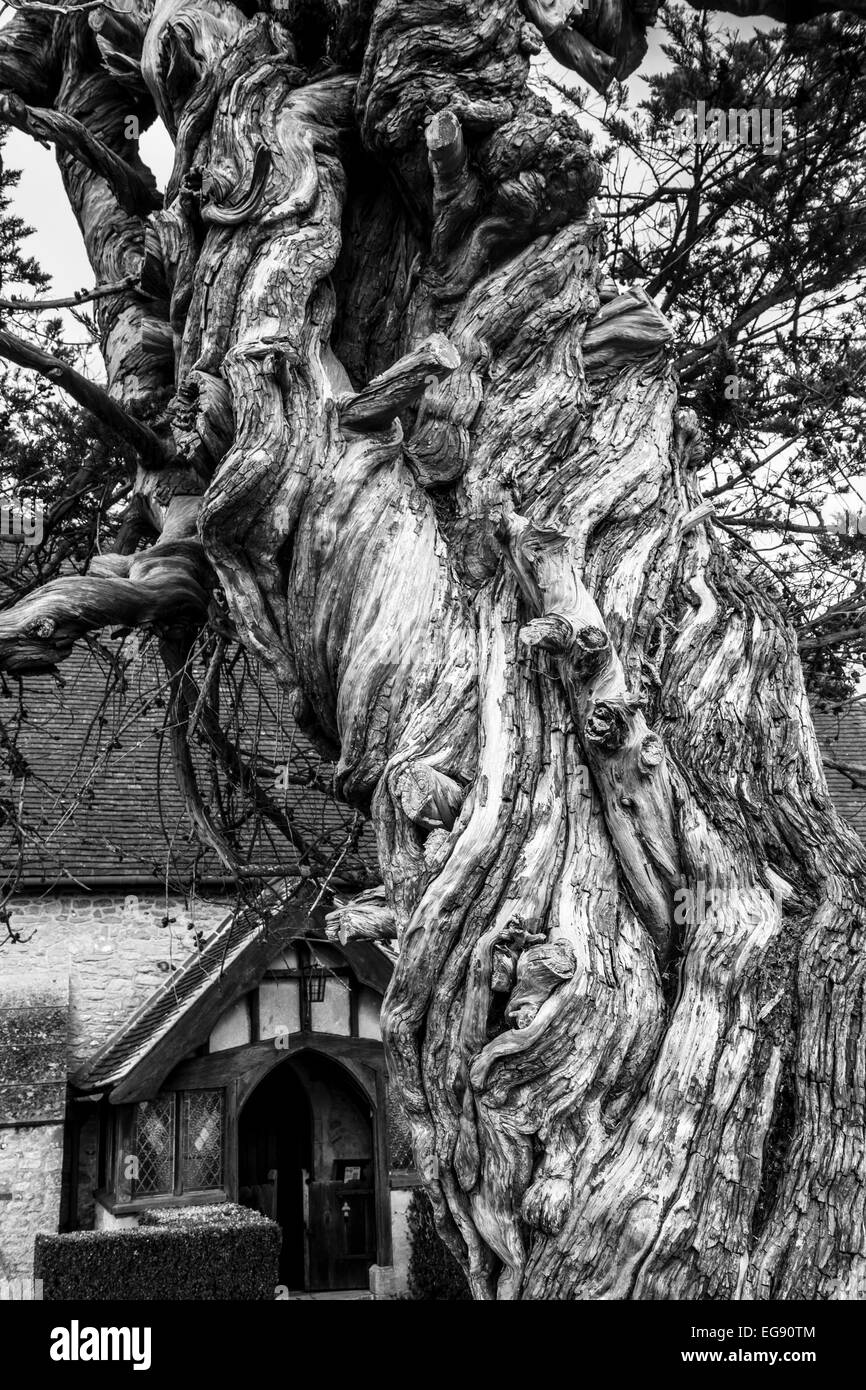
369,1075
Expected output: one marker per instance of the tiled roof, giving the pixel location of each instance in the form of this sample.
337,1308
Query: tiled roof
843,740
169,1004
102,802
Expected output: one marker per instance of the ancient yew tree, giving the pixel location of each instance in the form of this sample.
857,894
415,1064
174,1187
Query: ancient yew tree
397,429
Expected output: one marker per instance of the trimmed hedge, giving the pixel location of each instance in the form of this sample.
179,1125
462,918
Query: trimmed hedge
434,1274
182,1253
211,1214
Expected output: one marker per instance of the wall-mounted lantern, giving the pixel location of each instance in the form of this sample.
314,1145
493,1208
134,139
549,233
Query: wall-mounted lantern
314,984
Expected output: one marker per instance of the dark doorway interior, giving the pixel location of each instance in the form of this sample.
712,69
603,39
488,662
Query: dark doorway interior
274,1151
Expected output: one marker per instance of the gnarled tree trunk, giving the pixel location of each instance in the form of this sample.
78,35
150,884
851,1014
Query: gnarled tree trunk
434,459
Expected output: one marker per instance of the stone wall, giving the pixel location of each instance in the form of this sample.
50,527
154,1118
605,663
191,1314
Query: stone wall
31,1162
110,953
114,950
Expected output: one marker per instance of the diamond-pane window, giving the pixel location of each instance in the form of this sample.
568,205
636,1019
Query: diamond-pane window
154,1146
202,1131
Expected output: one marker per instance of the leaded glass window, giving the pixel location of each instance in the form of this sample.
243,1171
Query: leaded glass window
178,1145
154,1146
202,1149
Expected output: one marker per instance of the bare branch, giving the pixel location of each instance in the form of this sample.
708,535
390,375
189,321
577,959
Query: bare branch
855,772
366,917
94,398
165,587
82,297
135,193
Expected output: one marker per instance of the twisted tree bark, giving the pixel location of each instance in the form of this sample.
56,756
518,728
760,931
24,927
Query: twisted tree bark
439,471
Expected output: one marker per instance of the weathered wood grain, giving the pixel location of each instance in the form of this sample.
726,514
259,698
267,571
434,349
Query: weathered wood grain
439,470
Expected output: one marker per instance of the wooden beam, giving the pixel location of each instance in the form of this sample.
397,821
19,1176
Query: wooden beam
222,1068
231,1165
382,1185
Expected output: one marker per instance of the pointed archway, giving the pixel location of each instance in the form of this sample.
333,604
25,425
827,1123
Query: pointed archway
306,1157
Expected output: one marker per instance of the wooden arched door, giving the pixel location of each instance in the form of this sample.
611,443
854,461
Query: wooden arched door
306,1157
